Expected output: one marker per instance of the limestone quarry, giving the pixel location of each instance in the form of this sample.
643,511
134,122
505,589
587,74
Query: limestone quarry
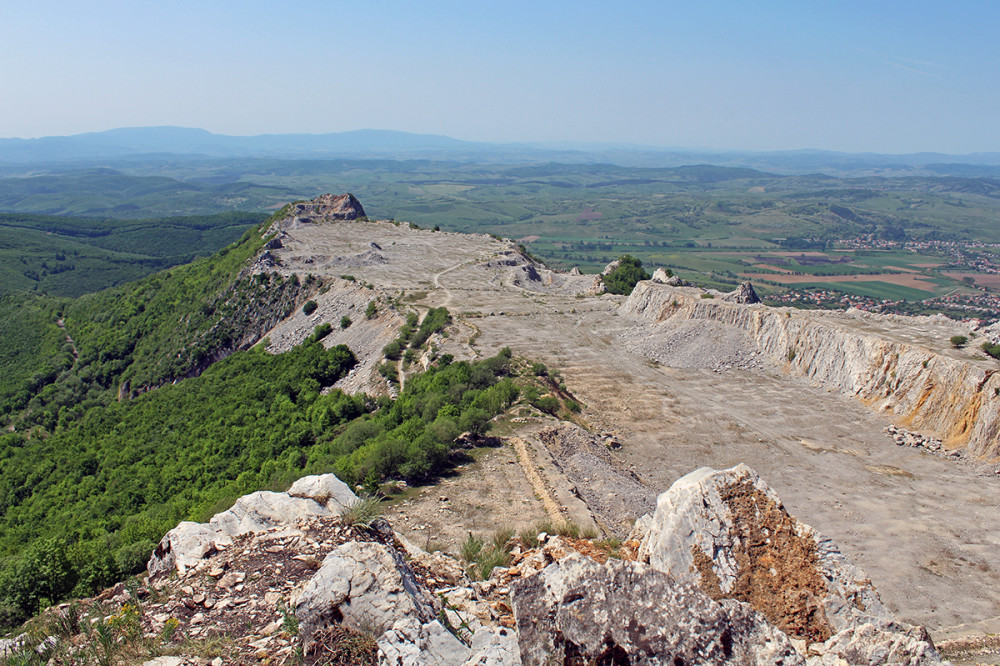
873,430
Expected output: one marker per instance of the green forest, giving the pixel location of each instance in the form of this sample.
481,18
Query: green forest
72,256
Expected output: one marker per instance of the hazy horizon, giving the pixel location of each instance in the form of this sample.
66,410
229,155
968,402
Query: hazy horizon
890,78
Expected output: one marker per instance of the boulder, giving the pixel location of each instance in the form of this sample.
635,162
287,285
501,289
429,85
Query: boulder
743,294
579,611
575,271
612,267
362,586
728,532
326,489
878,642
182,547
597,287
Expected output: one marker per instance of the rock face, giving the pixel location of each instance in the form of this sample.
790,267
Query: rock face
311,496
727,532
578,611
744,294
928,390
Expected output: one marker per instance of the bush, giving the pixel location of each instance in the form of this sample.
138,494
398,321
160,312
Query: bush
991,349
548,404
958,341
572,405
309,307
623,279
393,350
321,332
371,310
345,322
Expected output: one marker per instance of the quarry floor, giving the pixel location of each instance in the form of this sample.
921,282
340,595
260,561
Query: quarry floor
924,528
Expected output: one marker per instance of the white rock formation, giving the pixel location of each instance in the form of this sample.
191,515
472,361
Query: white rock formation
186,544
363,586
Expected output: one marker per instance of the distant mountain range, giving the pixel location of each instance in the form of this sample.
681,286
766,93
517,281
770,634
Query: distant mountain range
146,143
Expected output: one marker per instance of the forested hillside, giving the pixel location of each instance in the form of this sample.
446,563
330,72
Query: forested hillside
71,256
131,409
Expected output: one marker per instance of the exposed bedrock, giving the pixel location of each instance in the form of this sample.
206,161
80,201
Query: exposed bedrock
924,389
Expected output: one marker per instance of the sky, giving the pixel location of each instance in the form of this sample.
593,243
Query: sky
871,76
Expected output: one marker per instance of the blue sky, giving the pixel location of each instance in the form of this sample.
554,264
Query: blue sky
853,76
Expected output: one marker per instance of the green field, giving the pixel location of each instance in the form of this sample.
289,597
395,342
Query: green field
708,223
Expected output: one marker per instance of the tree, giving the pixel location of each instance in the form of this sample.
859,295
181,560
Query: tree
622,280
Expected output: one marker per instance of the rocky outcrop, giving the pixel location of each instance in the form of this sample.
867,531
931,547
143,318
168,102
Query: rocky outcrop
743,294
953,398
728,533
597,287
578,611
324,208
722,576
314,496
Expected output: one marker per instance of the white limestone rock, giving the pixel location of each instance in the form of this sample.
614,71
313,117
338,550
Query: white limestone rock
362,586
326,489
410,643
494,647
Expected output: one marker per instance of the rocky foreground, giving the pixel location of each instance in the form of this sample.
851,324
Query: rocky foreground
720,573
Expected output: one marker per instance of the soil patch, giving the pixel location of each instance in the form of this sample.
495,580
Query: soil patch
778,570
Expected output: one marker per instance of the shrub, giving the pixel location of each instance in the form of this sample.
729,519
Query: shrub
345,322
309,307
572,405
434,321
321,332
622,280
539,369
958,341
991,349
548,404
371,310
393,350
